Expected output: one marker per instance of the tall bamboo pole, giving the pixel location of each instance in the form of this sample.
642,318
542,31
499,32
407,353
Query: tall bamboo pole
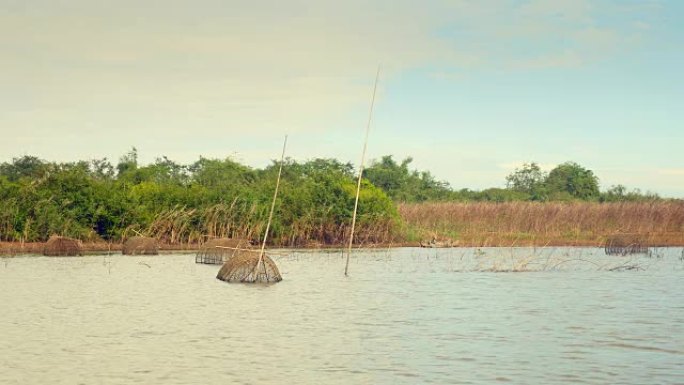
270,215
358,184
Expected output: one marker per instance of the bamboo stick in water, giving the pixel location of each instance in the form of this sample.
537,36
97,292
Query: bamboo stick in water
358,185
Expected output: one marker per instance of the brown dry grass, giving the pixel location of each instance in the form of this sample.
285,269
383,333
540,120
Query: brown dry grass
528,224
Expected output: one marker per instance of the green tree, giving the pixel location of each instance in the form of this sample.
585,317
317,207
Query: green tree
24,167
501,195
529,179
403,185
128,162
619,193
101,169
220,173
162,171
570,180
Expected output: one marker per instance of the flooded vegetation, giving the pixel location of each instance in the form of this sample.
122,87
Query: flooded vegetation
403,316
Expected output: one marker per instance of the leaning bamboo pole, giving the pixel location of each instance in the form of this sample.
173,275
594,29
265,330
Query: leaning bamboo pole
270,215
358,184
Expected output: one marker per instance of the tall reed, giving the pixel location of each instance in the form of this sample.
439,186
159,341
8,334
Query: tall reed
181,225
527,223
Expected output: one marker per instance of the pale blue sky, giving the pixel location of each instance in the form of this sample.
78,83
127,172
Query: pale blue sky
469,89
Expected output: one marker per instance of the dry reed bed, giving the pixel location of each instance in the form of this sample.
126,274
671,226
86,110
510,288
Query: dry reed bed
528,223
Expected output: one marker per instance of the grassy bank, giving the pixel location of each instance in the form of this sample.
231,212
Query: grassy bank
188,204
528,223
467,224
182,205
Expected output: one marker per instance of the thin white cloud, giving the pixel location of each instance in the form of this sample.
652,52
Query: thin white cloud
185,73
671,171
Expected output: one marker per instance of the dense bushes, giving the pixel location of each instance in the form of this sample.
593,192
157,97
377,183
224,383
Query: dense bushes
186,203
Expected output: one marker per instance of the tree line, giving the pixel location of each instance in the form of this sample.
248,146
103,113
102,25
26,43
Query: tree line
568,181
96,200
99,200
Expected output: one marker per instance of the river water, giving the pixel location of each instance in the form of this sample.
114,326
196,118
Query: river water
403,316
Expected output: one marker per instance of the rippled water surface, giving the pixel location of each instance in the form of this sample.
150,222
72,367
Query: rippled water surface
405,316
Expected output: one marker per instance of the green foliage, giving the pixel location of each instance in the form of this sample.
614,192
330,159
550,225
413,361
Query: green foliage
220,174
404,185
24,167
574,181
220,197
317,199
530,180
128,162
567,182
619,193
501,195
183,203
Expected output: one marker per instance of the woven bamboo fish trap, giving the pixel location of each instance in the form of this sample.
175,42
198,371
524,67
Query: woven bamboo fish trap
245,267
218,251
61,247
253,266
625,244
140,246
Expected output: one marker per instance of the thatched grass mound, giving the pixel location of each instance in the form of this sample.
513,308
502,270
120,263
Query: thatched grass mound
242,267
624,244
140,246
62,246
218,251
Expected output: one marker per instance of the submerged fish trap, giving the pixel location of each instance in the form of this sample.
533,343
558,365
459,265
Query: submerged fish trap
246,267
625,244
218,251
140,246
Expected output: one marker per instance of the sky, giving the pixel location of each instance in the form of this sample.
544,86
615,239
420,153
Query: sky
469,89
